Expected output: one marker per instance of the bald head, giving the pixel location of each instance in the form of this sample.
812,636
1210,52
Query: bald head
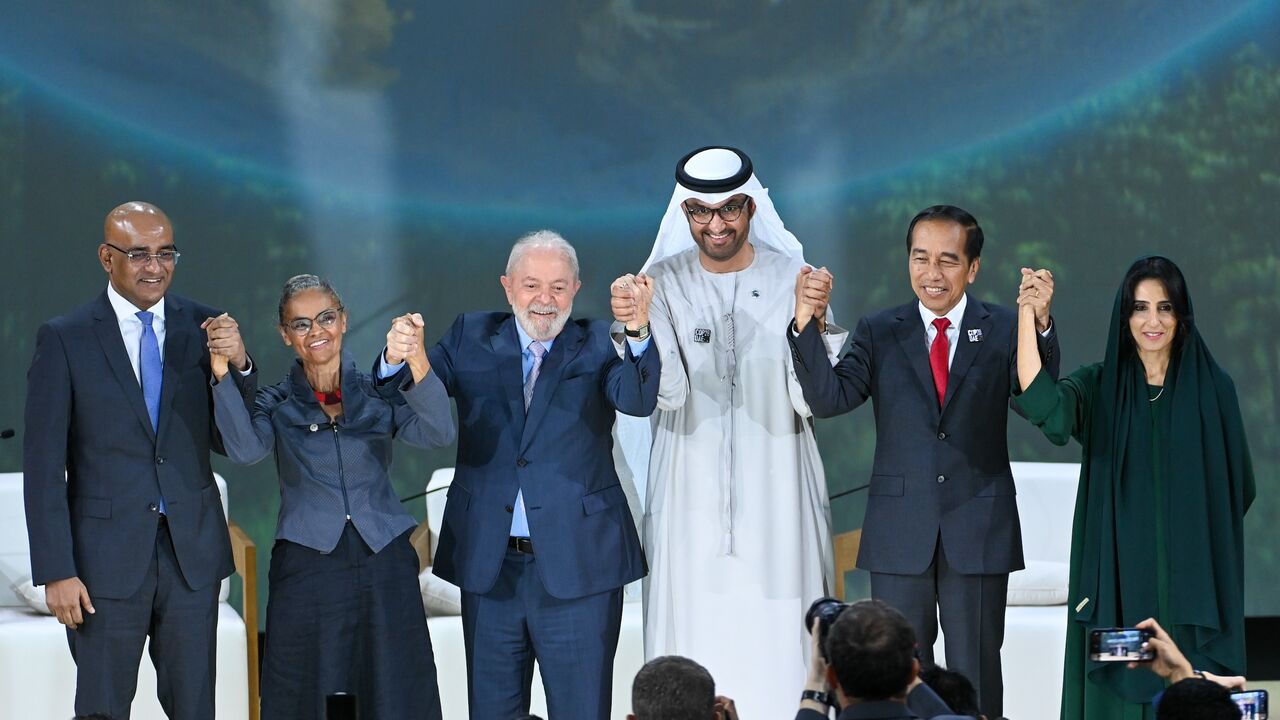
139,229
135,219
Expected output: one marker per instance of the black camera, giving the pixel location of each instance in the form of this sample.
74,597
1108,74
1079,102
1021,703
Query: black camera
825,611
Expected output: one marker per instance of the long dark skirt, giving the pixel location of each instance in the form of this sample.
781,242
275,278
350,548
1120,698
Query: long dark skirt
348,621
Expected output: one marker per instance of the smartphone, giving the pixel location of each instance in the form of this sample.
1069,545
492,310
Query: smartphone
1120,645
1252,704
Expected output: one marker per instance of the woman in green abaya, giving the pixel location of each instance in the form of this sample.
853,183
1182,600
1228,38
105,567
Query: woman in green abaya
1165,480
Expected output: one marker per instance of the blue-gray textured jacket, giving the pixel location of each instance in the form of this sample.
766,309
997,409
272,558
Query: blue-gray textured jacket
332,471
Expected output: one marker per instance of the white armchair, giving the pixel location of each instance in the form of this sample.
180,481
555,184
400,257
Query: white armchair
37,674
446,630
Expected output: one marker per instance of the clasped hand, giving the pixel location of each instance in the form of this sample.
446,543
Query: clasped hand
406,339
1036,292
629,298
813,294
226,347
406,342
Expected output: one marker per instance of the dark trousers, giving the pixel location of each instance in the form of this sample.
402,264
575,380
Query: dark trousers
183,626
516,622
971,608
351,621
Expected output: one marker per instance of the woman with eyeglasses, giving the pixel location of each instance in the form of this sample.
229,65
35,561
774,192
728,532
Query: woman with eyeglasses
345,613
1165,480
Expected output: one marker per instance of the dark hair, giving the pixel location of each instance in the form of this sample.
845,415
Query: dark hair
1197,699
872,648
1167,273
953,687
302,283
673,688
950,213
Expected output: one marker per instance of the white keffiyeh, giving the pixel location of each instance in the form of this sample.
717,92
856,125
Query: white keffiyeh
766,226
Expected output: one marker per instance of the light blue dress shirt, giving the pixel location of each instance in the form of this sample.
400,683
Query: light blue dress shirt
519,517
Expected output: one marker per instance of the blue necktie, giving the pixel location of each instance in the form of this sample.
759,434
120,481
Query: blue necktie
519,517
151,371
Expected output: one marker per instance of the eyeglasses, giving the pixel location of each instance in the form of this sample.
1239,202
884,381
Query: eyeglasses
728,213
141,258
326,320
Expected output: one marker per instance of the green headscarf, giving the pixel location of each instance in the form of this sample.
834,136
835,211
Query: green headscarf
1208,487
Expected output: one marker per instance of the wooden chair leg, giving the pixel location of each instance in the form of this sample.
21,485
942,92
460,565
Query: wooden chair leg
420,538
245,554
846,557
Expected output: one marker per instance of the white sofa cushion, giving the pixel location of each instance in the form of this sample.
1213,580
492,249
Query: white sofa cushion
31,595
437,490
439,598
15,560
1043,582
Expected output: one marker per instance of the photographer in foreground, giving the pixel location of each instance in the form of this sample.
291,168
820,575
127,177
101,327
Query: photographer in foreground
672,687
866,667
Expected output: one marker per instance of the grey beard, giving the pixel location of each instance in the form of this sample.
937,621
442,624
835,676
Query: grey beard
527,322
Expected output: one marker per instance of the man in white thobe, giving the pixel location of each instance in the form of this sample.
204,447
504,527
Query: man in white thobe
737,521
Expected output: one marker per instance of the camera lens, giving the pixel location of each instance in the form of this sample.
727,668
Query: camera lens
825,611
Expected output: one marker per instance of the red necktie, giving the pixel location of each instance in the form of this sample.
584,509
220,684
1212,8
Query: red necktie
938,352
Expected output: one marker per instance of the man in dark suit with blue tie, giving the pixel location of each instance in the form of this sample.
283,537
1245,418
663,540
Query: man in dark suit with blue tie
941,533
126,527
537,531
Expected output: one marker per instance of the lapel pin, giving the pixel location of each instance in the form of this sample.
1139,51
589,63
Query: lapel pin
701,335
975,335
755,293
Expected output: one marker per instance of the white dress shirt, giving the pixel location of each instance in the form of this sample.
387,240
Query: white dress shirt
955,315
131,327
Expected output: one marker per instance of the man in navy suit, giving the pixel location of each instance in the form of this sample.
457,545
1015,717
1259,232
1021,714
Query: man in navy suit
941,533
125,523
537,531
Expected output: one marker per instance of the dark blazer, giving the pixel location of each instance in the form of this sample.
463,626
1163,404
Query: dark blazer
85,415
334,470
560,455
936,470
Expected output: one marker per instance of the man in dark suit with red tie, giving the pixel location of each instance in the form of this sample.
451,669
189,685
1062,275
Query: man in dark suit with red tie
125,522
941,533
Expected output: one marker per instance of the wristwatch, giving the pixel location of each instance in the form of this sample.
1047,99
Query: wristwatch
639,333
816,696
